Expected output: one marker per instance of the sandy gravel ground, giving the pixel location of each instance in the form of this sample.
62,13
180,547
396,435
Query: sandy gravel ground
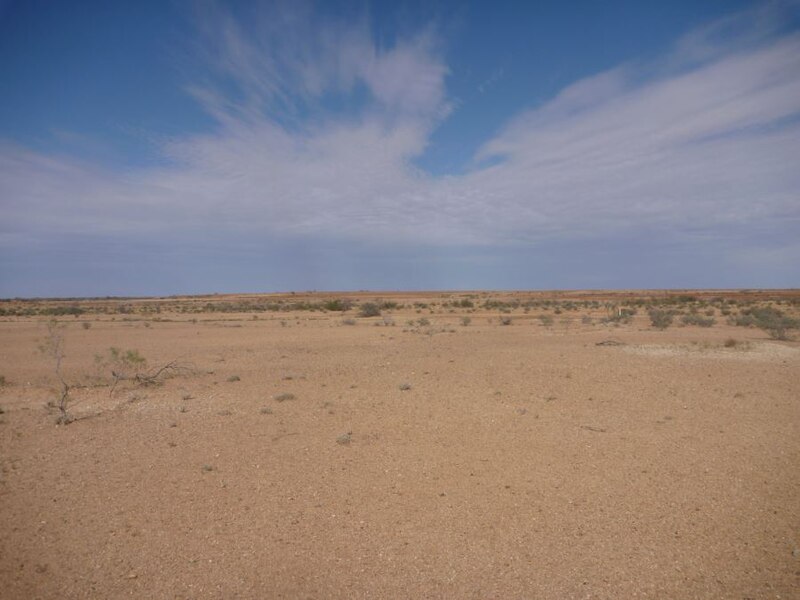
524,461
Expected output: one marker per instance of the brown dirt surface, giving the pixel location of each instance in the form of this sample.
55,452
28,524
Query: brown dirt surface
295,455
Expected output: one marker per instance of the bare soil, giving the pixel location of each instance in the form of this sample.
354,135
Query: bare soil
298,456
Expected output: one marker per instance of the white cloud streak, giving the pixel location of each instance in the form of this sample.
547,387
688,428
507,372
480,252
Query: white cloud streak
703,143
288,59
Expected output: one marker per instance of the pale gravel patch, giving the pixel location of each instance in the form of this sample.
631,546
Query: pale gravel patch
759,351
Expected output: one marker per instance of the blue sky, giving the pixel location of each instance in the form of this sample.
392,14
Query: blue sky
188,147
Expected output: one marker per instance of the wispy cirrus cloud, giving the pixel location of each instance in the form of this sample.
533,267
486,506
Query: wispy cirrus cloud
702,144
700,148
288,62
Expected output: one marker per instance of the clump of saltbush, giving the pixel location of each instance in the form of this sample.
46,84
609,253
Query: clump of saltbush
697,320
659,318
768,318
369,309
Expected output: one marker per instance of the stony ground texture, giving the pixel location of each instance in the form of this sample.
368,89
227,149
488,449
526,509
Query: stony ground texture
295,456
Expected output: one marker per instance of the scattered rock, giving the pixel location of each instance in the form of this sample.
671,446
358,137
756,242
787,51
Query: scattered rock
596,429
610,342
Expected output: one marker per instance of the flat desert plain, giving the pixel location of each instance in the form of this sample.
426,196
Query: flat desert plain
298,453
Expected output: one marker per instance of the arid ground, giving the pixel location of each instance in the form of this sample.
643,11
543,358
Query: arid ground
552,446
